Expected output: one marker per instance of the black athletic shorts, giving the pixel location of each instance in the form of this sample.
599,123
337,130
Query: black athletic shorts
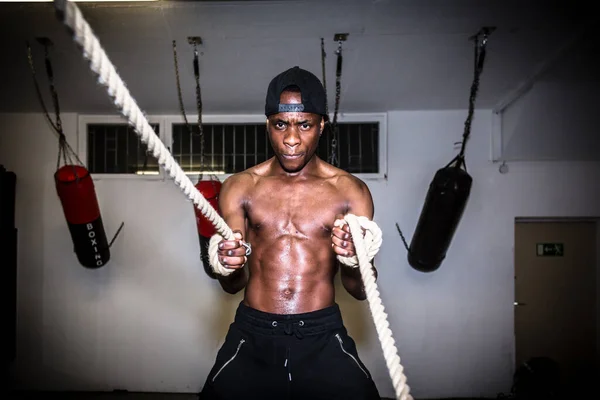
277,356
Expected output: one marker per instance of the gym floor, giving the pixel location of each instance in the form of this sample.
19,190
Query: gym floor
132,396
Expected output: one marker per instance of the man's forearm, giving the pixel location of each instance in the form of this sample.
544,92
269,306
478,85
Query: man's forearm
352,281
235,281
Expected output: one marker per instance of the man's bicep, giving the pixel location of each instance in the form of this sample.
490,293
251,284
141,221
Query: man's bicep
361,203
231,204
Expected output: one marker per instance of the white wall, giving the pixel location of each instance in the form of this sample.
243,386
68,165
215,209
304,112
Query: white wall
151,320
555,121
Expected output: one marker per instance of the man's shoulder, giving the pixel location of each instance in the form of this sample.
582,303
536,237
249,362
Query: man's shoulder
345,181
247,178
239,179
355,192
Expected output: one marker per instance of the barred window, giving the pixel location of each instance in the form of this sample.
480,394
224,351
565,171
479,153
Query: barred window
114,148
358,147
232,148
228,148
109,145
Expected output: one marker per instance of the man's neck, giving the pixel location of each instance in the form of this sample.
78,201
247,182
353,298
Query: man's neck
311,168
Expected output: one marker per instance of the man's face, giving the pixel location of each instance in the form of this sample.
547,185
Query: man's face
294,135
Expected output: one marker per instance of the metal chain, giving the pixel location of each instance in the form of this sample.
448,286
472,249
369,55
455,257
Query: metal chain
39,92
65,152
52,88
323,56
199,106
198,99
334,159
181,108
478,69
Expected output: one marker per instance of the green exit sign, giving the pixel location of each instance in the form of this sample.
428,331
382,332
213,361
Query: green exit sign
550,249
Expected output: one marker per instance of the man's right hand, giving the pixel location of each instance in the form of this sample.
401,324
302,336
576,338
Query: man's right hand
232,254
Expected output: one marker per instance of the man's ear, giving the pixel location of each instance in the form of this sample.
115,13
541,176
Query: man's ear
322,125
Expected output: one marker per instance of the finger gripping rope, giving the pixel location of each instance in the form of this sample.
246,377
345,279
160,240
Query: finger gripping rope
372,240
213,256
107,75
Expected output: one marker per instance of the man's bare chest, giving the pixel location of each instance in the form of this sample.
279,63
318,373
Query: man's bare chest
295,209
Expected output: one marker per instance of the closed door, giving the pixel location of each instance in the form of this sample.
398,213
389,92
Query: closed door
555,294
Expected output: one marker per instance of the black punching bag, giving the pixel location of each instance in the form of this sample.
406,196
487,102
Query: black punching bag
8,257
444,205
448,192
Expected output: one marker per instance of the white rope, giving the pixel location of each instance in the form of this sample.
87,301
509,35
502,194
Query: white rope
372,240
390,352
107,76
213,256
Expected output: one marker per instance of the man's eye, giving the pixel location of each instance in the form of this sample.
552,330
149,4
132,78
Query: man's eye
305,126
280,125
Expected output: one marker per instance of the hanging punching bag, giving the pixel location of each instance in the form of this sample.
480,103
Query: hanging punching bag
210,189
74,185
444,205
448,191
75,189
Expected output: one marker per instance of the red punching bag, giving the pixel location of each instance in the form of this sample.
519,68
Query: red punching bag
75,189
210,190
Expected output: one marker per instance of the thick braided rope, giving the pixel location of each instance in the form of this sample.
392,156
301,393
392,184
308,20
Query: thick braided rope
71,16
213,256
372,240
390,353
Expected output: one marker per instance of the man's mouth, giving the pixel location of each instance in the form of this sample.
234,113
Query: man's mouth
292,156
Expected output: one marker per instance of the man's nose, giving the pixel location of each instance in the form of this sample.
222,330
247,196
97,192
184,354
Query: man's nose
292,138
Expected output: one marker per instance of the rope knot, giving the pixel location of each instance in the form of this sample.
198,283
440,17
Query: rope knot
372,238
213,255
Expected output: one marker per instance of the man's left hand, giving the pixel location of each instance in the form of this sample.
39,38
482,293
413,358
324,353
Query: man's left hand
341,240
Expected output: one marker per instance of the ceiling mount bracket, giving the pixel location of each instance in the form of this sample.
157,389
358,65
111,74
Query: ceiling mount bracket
195,40
486,30
340,37
44,41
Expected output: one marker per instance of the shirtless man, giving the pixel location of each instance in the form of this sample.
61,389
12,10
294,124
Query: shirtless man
288,340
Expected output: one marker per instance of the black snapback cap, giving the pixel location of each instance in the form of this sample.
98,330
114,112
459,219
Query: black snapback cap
314,99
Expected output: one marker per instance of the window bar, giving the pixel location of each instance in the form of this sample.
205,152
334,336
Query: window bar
222,160
127,153
191,152
105,148
180,152
137,157
111,138
212,147
139,165
92,148
360,153
255,144
116,151
348,140
374,148
234,137
245,148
